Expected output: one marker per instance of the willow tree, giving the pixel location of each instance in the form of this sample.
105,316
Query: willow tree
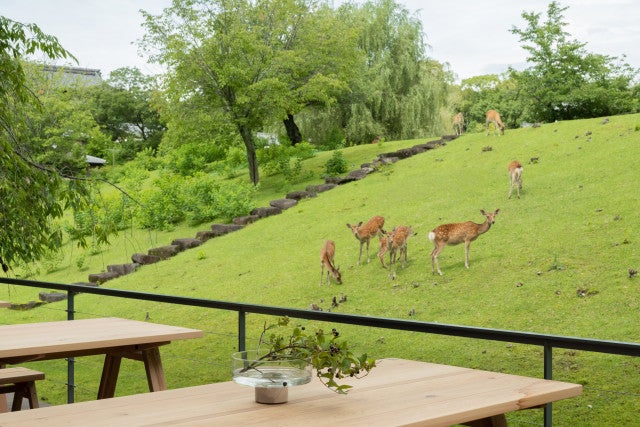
256,62
399,91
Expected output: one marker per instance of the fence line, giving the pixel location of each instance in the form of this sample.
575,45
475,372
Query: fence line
546,341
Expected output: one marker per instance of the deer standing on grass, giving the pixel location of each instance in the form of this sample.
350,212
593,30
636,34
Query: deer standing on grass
458,123
453,234
364,233
494,117
395,243
327,254
515,177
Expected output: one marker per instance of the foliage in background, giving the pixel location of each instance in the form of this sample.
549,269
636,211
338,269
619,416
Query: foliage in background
563,81
254,63
124,108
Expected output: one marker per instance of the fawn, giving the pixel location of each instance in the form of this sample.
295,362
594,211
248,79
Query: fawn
327,253
515,177
364,233
453,234
395,242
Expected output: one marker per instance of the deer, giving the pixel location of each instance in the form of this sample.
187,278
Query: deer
458,123
494,117
395,242
364,233
515,177
456,233
327,254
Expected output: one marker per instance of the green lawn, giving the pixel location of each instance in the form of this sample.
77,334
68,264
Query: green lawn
556,261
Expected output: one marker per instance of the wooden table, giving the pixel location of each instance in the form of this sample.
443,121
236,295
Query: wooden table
396,393
113,337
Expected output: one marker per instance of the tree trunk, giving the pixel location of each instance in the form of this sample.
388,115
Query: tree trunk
252,160
293,132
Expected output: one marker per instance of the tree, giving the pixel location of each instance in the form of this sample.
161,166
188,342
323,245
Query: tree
33,194
565,81
398,92
255,62
124,108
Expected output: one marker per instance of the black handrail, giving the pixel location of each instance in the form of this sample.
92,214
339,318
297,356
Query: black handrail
548,342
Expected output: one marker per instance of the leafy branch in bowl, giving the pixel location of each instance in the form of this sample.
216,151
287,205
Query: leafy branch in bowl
329,355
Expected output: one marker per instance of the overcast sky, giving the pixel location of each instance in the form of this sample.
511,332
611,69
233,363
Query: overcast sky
474,39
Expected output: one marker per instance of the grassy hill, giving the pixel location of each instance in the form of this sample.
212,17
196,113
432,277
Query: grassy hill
556,261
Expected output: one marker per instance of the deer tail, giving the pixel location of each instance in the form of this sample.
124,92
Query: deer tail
432,236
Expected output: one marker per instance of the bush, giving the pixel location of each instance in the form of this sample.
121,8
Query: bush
197,199
337,164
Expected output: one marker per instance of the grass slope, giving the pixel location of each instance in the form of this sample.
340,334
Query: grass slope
556,261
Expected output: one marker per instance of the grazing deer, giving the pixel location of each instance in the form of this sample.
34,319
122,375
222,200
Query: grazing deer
494,117
515,177
364,233
453,234
327,253
458,123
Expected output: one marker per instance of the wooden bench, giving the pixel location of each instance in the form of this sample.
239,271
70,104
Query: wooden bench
22,382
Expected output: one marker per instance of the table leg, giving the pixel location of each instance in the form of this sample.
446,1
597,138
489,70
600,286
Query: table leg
4,406
109,376
153,366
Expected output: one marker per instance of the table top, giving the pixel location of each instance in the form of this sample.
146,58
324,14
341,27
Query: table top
29,339
396,393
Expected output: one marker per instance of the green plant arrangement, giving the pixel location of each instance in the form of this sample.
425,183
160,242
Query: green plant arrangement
284,359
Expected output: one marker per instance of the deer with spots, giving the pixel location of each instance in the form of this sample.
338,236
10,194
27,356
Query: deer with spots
395,243
494,117
327,253
515,177
456,233
364,233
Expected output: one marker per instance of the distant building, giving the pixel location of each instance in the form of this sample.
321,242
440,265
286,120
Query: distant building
95,161
75,75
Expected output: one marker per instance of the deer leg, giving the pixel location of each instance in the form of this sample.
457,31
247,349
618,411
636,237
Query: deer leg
368,259
321,272
360,256
466,253
434,260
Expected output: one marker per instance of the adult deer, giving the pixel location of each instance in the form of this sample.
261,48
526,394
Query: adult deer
458,123
456,233
494,117
364,233
395,242
327,253
515,177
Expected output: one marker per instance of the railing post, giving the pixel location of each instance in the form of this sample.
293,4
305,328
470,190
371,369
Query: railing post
548,375
242,315
70,360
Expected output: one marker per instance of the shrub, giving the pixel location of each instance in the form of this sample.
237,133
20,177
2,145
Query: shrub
337,164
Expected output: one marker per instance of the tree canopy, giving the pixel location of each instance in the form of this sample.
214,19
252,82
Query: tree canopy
565,81
251,61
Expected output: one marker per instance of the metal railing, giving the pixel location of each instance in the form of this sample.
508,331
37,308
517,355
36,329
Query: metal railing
547,342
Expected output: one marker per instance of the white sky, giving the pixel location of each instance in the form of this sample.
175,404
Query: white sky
474,38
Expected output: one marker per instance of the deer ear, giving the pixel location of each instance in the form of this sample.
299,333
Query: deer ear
497,210
482,212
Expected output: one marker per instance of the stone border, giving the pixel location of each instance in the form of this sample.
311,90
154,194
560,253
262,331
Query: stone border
275,207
